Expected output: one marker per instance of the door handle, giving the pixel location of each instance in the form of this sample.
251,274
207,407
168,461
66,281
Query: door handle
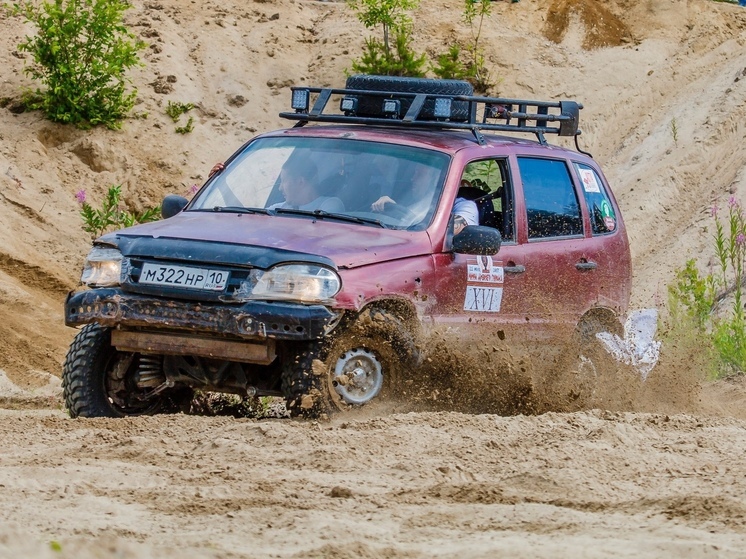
586,265
519,269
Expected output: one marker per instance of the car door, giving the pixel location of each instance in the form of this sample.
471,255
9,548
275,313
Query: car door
561,259
484,295
607,244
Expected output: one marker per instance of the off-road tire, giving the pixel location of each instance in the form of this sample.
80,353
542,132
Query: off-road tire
307,368
372,106
84,376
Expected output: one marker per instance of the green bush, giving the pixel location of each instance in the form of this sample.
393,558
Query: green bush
475,11
111,215
449,65
379,57
469,64
698,299
175,109
81,52
402,61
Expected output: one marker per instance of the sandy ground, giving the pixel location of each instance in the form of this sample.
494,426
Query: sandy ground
660,474
588,484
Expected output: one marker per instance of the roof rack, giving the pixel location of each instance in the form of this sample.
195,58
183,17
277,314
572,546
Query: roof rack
402,109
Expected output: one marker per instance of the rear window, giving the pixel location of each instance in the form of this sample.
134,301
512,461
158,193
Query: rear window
552,206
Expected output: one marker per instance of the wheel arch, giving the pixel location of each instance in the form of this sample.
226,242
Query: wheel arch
401,308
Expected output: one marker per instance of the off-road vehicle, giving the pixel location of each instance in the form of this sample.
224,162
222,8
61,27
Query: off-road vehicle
324,298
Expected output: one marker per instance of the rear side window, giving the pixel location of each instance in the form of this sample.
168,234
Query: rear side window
552,206
603,217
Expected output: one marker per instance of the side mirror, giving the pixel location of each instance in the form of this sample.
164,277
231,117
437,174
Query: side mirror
173,204
477,239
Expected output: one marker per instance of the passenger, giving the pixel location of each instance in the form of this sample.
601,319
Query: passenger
465,212
219,166
418,201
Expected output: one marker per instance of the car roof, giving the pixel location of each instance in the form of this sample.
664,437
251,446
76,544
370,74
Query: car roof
448,141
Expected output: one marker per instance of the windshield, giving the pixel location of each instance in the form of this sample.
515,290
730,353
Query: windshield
370,183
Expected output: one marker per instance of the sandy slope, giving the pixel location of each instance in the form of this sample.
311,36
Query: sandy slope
415,485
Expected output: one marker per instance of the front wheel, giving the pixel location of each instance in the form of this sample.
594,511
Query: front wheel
361,366
99,381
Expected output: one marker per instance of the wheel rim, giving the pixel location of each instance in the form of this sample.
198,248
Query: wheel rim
357,377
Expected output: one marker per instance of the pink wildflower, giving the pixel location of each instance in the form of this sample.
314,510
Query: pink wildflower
193,189
740,239
714,210
733,202
80,196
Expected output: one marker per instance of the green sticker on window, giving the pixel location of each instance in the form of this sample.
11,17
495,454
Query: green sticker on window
606,210
607,214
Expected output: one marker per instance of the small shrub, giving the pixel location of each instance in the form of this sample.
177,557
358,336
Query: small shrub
449,65
403,61
175,109
475,11
379,57
81,52
390,15
110,215
188,127
697,299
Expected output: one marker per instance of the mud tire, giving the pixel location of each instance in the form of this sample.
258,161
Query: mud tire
84,375
308,369
371,106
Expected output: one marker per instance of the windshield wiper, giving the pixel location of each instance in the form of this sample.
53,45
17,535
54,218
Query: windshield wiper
327,215
240,210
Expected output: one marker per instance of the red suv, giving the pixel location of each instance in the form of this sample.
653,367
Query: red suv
315,263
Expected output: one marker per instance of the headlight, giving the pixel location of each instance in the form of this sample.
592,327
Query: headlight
307,283
102,268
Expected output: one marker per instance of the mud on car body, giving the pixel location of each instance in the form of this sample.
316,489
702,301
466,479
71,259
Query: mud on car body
324,303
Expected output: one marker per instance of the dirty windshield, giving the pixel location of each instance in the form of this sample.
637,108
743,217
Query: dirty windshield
368,183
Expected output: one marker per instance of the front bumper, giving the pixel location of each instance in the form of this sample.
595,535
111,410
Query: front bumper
255,320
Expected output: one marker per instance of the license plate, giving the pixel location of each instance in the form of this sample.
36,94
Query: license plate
183,276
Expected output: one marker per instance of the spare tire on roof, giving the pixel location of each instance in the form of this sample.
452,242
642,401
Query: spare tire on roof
372,106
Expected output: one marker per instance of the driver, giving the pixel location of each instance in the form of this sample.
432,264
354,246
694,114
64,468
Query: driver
425,177
298,187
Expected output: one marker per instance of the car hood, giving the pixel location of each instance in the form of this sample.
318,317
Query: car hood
264,241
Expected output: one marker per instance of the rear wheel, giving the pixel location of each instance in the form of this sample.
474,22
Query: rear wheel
99,381
362,365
